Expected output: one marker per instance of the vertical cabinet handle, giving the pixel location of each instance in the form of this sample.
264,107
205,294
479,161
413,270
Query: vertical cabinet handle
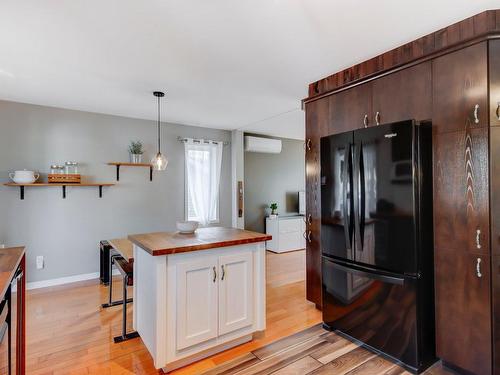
308,144
476,114
478,268
377,118
223,272
308,219
215,274
478,238
498,111
307,236
365,121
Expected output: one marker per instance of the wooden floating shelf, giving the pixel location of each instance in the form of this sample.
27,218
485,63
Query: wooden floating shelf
126,164
63,185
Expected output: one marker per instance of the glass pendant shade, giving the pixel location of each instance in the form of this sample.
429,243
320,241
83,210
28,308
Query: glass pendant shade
159,162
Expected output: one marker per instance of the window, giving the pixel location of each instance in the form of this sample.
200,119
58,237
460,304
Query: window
203,168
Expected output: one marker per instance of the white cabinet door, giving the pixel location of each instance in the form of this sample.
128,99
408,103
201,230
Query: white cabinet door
197,301
236,300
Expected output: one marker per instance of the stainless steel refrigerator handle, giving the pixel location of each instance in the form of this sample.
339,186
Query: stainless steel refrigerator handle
346,180
371,275
362,198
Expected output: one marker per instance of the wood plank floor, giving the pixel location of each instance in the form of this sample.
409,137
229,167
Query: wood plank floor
69,333
313,351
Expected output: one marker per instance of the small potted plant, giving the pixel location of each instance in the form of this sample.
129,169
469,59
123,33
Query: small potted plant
136,151
274,210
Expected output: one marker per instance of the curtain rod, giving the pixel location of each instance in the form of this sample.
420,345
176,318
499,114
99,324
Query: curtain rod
207,141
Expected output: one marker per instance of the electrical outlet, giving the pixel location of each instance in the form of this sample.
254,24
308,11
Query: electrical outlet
39,262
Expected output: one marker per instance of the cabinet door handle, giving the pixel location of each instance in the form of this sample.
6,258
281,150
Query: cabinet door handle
498,111
377,118
223,273
478,268
476,114
478,238
365,121
308,219
307,236
215,274
308,144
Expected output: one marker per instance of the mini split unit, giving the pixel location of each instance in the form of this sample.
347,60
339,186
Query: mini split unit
264,145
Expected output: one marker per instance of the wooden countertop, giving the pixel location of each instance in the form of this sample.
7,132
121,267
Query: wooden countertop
124,247
164,243
9,262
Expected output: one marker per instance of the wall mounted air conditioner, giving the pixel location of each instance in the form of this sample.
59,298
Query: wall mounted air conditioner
265,145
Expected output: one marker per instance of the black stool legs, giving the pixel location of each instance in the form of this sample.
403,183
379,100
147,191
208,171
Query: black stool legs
125,335
112,303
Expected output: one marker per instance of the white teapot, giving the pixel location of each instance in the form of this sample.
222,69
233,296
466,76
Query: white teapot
24,177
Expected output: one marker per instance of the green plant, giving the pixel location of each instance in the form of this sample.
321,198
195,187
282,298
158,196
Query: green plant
273,207
135,148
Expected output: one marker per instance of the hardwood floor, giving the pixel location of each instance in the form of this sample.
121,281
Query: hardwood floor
313,351
69,333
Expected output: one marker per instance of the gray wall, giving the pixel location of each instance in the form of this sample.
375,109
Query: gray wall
67,231
273,178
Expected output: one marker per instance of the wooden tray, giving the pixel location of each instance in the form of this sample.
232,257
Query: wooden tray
64,178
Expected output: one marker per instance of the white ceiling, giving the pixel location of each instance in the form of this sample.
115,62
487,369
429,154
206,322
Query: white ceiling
225,64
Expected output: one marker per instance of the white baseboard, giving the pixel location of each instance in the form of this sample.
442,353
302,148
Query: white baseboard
65,280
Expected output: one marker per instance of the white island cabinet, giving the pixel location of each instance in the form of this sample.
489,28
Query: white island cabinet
196,295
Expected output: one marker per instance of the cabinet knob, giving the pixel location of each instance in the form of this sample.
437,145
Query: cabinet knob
478,268
478,238
476,114
365,121
377,118
215,274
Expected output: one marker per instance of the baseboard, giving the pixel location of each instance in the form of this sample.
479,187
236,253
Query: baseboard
65,280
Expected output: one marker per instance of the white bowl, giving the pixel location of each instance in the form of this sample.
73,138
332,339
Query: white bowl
187,226
24,177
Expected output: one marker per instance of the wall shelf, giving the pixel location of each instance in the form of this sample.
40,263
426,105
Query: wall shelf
119,164
63,186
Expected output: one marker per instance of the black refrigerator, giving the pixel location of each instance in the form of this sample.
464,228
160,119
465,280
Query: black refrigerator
377,241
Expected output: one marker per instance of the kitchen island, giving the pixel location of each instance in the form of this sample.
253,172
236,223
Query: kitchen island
198,294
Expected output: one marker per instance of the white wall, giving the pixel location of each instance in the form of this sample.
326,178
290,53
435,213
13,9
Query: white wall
67,231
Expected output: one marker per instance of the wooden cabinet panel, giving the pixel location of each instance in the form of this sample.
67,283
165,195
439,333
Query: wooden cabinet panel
460,83
404,95
463,315
197,301
317,120
349,108
235,292
494,56
461,191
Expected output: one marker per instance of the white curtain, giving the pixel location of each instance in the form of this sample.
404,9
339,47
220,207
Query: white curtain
203,168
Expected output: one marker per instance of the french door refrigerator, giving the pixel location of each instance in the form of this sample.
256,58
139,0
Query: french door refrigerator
377,242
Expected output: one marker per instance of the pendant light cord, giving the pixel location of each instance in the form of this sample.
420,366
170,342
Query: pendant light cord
159,125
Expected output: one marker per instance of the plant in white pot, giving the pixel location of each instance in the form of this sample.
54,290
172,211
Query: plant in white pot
136,151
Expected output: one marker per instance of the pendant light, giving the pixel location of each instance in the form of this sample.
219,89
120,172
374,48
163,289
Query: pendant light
159,162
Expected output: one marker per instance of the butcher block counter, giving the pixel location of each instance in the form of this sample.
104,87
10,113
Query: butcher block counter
198,294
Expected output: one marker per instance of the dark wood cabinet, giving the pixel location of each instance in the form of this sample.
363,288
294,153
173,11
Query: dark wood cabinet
351,109
463,315
460,89
494,71
404,95
317,120
461,197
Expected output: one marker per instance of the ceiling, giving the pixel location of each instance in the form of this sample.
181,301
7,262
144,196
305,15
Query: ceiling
224,64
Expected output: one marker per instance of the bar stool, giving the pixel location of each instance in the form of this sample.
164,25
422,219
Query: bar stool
127,271
113,256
